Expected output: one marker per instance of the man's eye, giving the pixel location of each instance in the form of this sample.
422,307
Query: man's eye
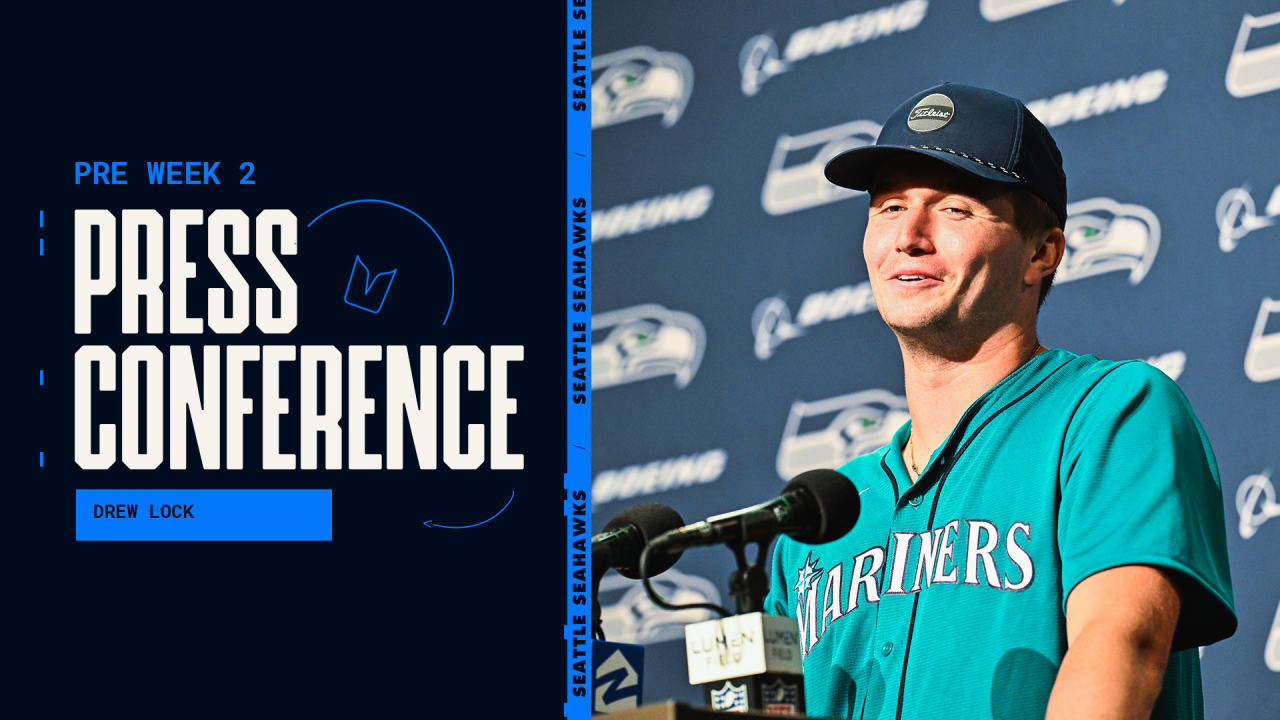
955,211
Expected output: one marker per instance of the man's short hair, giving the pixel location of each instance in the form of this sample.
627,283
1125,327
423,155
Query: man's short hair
1032,217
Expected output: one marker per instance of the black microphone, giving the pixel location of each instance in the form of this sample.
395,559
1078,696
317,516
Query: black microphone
815,507
626,535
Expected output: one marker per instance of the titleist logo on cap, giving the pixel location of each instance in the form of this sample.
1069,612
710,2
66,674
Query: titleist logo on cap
931,113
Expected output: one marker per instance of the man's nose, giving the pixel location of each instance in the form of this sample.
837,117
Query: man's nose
915,232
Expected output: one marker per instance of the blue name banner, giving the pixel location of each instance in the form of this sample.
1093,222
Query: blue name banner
217,515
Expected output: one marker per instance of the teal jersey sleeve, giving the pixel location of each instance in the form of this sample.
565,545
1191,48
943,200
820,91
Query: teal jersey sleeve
1140,486
776,602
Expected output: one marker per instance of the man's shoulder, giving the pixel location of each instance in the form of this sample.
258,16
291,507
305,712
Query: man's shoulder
1084,375
1092,374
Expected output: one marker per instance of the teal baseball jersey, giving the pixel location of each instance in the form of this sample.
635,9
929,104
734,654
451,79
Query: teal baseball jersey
948,597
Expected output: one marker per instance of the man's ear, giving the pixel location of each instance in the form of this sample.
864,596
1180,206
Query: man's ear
1049,248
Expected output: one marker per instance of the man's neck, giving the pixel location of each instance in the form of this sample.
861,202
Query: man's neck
941,386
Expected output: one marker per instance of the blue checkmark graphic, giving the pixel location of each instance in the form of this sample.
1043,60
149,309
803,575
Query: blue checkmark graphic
364,299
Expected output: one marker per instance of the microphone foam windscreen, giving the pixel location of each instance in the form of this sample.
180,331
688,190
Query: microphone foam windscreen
652,520
835,505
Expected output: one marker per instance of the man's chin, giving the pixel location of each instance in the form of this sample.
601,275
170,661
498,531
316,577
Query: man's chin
916,323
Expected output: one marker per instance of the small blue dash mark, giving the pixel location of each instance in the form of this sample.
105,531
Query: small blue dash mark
41,458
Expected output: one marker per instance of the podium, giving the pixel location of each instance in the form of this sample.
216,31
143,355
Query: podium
673,710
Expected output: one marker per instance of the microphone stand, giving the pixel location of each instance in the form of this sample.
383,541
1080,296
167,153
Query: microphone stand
747,584
597,624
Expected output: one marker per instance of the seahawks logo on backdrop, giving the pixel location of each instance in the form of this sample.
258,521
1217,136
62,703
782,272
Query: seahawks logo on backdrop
1254,70
933,112
795,179
1107,236
1272,654
828,433
997,10
1262,357
639,81
629,616
645,341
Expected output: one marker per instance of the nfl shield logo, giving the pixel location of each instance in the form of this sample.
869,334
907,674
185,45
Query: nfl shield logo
781,697
730,698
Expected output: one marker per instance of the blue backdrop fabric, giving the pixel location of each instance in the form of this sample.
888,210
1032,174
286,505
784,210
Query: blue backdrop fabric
736,342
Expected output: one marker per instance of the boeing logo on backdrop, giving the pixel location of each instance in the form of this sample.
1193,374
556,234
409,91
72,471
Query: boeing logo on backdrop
1252,71
1237,215
645,341
828,433
650,214
658,476
759,59
758,62
1256,503
637,82
1100,99
1262,357
629,616
771,321
790,186
1107,236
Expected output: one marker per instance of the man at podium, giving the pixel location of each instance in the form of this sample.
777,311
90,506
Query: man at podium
1045,535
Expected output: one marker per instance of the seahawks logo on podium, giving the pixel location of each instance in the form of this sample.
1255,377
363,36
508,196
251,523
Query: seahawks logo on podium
730,698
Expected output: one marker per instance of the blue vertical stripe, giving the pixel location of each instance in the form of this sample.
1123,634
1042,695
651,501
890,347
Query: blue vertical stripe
577,478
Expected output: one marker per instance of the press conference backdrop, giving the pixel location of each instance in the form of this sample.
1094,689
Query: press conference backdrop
736,341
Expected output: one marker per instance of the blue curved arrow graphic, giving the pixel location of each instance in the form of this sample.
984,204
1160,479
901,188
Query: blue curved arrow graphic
432,523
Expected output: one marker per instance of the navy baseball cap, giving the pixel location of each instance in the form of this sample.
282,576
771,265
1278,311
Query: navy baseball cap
980,131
